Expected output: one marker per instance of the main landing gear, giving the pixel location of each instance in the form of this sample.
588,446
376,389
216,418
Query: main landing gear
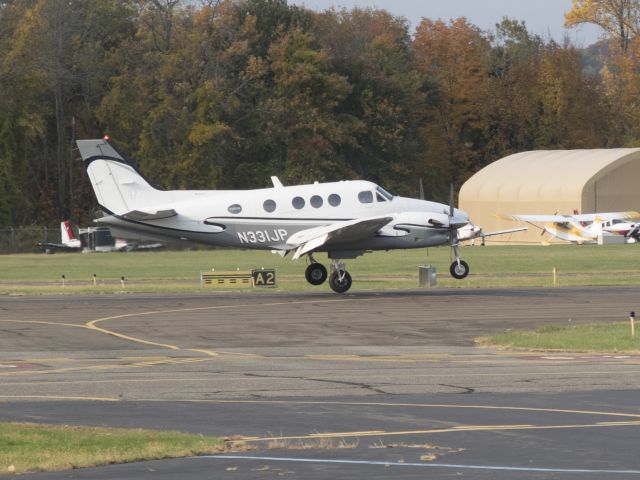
339,280
459,268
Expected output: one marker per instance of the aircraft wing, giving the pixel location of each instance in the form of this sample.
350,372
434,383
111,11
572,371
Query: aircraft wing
582,217
139,216
502,232
336,233
51,247
540,218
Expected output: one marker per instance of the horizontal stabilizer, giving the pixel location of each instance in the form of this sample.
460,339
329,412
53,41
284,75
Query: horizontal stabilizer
139,216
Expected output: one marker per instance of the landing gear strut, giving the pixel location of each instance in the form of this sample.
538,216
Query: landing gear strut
459,269
340,280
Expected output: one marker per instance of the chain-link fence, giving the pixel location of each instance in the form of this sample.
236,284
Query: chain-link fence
25,239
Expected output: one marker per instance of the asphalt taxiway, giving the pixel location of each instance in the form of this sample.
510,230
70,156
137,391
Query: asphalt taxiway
324,385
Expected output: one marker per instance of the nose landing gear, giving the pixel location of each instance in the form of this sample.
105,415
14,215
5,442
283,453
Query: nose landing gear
459,268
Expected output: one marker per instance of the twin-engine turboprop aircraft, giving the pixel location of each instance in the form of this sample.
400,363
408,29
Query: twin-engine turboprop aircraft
344,219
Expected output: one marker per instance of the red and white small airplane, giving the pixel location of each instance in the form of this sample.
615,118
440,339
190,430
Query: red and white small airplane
92,239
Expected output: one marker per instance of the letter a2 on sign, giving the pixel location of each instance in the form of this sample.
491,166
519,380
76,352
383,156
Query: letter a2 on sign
264,277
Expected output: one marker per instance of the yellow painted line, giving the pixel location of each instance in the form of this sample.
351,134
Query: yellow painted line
60,397
115,366
92,324
459,428
409,358
42,322
491,427
619,423
342,434
420,405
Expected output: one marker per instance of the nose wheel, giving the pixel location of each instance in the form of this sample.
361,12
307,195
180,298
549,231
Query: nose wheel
459,269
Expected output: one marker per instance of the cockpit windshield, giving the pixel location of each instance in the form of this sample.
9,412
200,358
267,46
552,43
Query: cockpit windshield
382,192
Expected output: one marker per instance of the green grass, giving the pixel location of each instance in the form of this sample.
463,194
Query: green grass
614,337
33,448
178,271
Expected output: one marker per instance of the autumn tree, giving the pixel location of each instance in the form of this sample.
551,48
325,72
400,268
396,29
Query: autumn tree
573,116
620,19
455,55
511,108
372,49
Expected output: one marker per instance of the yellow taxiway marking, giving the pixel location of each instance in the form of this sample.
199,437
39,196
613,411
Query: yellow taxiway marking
458,428
403,358
423,405
113,366
61,397
42,322
92,324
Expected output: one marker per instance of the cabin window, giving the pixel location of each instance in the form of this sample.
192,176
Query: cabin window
380,198
316,201
334,200
269,205
298,203
235,209
365,196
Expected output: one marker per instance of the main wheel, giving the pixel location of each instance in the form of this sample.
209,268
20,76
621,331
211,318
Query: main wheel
340,281
459,270
316,274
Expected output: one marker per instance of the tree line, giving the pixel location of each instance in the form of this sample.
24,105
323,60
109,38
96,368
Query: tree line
222,94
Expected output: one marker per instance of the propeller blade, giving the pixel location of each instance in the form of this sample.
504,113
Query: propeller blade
451,201
421,188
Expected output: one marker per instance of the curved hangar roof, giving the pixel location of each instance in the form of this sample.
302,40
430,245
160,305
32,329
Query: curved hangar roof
550,181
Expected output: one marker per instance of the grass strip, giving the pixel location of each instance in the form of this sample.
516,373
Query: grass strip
599,337
35,448
179,271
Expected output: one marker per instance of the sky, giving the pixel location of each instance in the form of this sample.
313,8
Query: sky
542,17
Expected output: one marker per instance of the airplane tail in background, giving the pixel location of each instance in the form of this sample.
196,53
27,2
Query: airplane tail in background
118,186
68,237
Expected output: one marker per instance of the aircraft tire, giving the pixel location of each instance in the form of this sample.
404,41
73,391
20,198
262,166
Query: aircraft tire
337,285
459,271
316,274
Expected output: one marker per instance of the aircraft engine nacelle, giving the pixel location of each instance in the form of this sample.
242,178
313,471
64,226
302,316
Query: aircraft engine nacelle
410,221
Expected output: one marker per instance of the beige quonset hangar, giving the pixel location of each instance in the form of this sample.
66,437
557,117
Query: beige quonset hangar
550,181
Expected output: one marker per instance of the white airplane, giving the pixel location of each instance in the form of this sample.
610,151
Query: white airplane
92,239
344,219
579,228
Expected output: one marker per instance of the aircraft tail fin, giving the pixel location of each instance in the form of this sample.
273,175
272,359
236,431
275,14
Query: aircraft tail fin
118,185
68,237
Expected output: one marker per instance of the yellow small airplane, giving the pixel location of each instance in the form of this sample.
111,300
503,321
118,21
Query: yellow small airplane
582,228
